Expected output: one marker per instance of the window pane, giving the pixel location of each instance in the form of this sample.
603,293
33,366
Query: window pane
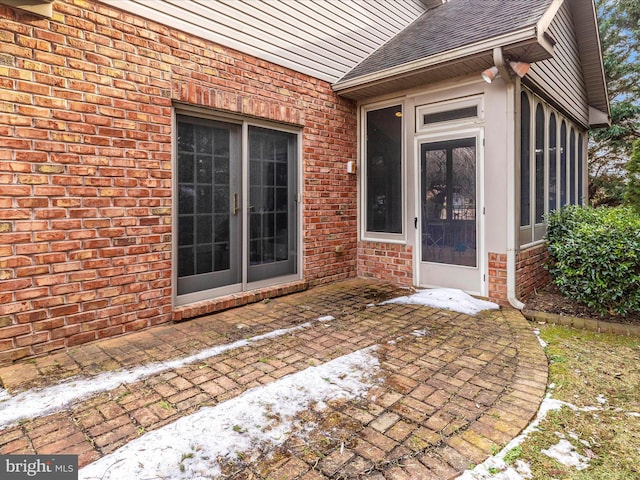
539,180
203,202
580,170
563,164
271,185
448,179
572,173
384,170
553,152
466,112
525,161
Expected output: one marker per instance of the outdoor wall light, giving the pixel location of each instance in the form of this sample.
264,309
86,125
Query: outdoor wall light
519,68
489,74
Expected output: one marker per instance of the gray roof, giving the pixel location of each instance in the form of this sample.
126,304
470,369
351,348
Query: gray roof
451,25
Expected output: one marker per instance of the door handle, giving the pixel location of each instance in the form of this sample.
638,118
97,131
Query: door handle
235,208
415,222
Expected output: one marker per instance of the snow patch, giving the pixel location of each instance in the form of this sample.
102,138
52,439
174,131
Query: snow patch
521,470
263,417
38,402
565,453
446,298
543,344
496,469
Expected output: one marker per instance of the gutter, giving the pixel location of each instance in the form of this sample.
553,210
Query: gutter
512,112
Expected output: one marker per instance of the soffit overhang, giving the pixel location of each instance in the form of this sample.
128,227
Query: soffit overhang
530,44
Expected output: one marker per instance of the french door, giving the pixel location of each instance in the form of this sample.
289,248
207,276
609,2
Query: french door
236,207
450,221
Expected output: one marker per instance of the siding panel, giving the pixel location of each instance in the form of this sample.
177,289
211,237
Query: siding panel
324,38
561,78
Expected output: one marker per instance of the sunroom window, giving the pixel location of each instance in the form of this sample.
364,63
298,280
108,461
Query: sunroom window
383,170
551,164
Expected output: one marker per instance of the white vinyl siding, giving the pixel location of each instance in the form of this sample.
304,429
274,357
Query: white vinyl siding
561,76
321,38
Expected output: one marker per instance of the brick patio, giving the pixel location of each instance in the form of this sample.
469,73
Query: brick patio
446,399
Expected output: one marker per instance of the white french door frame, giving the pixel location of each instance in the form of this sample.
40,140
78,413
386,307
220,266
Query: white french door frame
422,279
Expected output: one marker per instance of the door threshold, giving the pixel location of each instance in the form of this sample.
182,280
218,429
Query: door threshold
207,307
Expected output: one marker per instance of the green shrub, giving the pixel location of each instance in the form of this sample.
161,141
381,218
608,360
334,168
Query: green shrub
595,256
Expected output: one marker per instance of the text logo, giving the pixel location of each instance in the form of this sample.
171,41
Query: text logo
39,467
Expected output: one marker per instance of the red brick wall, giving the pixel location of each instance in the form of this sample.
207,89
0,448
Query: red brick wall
386,261
85,167
498,278
530,271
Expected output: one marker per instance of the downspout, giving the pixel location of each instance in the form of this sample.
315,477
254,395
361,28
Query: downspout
510,84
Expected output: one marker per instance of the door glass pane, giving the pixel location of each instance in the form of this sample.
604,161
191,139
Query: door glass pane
384,170
203,204
271,235
448,178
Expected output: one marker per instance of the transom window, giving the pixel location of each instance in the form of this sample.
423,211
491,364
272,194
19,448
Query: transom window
460,110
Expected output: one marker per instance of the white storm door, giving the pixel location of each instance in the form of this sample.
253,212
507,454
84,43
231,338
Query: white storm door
450,234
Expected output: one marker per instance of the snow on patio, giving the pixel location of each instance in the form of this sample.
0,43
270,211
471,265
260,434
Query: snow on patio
446,298
263,417
38,402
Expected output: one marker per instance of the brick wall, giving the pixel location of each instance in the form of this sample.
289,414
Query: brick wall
497,276
85,167
386,261
530,271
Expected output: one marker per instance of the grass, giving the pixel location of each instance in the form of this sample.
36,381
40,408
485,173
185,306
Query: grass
589,369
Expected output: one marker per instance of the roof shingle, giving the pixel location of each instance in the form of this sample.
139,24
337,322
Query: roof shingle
454,24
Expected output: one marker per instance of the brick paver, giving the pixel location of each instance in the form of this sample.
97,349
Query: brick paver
453,387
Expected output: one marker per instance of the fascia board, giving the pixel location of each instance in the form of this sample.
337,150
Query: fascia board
543,24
